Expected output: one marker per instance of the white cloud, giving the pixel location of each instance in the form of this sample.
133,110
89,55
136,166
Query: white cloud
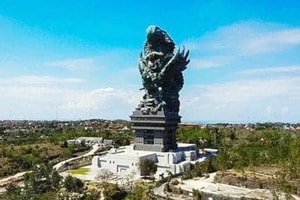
73,64
273,41
108,61
102,98
275,98
254,100
208,62
249,90
39,80
61,102
269,109
245,43
261,80
279,69
247,38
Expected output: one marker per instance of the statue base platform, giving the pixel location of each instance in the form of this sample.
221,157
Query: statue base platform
155,131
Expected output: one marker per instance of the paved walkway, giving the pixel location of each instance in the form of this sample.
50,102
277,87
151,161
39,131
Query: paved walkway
6,180
14,178
95,147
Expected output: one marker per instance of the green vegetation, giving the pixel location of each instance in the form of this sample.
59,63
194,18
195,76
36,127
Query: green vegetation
252,148
23,158
207,137
73,184
81,170
196,194
244,149
200,169
43,182
110,191
141,191
15,159
147,166
24,144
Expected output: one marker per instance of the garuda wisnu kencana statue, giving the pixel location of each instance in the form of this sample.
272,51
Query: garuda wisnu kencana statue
161,71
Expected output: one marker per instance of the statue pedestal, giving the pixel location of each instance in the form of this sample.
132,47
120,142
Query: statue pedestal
155,131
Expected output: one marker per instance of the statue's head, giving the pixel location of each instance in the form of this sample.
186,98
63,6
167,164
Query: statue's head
159,40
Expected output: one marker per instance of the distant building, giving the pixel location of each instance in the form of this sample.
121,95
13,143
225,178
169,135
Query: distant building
108,142
188,125
90,141
74,141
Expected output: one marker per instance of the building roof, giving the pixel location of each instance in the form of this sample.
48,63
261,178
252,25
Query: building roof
128,152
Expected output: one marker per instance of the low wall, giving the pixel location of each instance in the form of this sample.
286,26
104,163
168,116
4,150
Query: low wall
80,162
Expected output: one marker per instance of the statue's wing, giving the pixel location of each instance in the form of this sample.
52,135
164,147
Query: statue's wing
182,59
178,62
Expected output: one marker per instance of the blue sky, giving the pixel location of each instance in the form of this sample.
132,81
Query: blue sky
78,59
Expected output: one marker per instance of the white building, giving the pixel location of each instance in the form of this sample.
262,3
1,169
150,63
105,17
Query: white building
125,160
90,141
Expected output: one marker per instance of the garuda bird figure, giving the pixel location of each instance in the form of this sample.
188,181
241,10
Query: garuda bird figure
161,71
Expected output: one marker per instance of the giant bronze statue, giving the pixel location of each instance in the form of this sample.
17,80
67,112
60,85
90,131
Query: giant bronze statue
161,71
156,118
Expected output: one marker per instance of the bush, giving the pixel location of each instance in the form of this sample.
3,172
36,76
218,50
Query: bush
73,184
147,166
175,182
186,175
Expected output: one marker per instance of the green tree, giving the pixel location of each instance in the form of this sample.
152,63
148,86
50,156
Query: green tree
141,191
41,180
196,194
147,167
13,192
73,184
221,162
